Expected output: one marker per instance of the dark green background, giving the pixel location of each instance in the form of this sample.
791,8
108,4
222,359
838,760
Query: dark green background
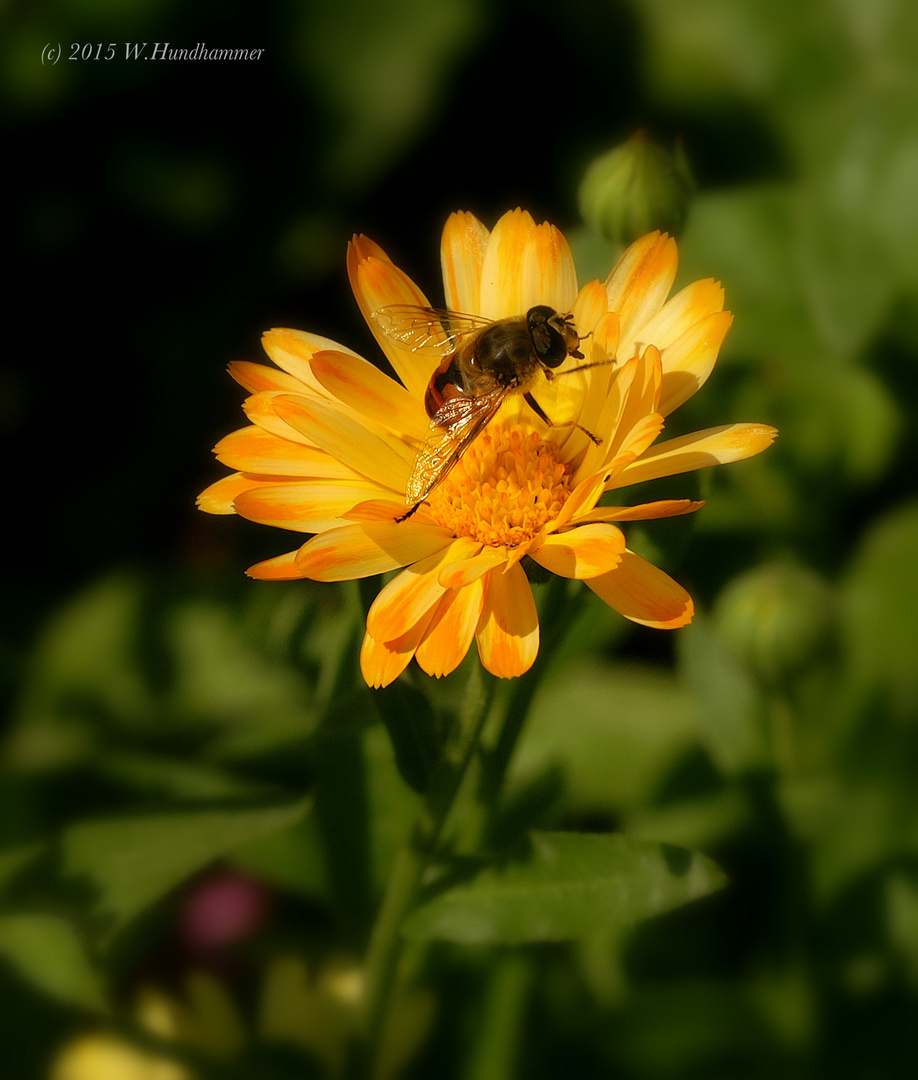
161,215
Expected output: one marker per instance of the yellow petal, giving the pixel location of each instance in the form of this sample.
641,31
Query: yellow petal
689,306
411,595
526,264
258,377
373,547
451,629
376,283
280,568
381,662
662,508
508,633
369,392
462,251
644,594
369,450
253,450
583,552
590,306
259,408
220,497
291,350
307,506
690,359
700,450
586,493
457,575
639,285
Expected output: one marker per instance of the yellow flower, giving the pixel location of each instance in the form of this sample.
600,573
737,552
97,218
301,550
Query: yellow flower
334,440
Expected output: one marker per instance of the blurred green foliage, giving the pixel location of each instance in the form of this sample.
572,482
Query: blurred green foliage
168,720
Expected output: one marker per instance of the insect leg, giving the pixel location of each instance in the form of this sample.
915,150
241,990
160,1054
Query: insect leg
539,411
405,516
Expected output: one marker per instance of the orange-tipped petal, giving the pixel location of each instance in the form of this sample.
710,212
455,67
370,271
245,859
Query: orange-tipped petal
373,547
526,264
381,662
639,285
462,252
280,568
220,497
307,506
508,633
369,392
700,450
378,283
292,350
258,377
456,575
366,448
451,629
584,552
253,450
644,594
414,592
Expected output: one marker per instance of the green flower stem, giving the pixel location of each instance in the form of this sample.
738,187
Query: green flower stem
499,1035
385,946
554,620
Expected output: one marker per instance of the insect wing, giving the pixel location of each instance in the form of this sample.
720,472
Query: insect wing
455,427
435,331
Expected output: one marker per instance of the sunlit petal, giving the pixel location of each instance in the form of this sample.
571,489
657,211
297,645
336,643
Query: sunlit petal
701,449
584,552
508,632
644,594
308,506
689,360
378,283
462,252
369,392
254,450
451,630
639,285
413,592
366,448
374,547
662,508
381,662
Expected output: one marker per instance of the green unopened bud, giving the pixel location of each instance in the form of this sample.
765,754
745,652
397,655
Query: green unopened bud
636,188
776,620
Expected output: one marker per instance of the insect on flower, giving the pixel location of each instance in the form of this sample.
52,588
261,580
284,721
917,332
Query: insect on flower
334,443
483,362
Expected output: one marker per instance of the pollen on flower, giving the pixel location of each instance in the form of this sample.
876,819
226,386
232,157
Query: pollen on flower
506,487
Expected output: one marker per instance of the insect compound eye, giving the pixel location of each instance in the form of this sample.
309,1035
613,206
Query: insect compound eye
547,341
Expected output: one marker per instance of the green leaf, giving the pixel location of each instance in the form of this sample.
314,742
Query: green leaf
567,886
613,733
130,863
47,952
732,727
412,726
880,609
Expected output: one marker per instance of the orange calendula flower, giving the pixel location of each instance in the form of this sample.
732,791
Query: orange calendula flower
334,444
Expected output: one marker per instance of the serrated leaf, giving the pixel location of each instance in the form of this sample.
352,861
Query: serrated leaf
567,886
48,953
130,863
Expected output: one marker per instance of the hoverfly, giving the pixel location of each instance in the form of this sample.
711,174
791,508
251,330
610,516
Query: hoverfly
483,361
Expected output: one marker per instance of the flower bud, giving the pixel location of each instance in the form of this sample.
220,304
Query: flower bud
636,188
776,620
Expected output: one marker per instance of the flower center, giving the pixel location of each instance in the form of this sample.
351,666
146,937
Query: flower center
504,488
